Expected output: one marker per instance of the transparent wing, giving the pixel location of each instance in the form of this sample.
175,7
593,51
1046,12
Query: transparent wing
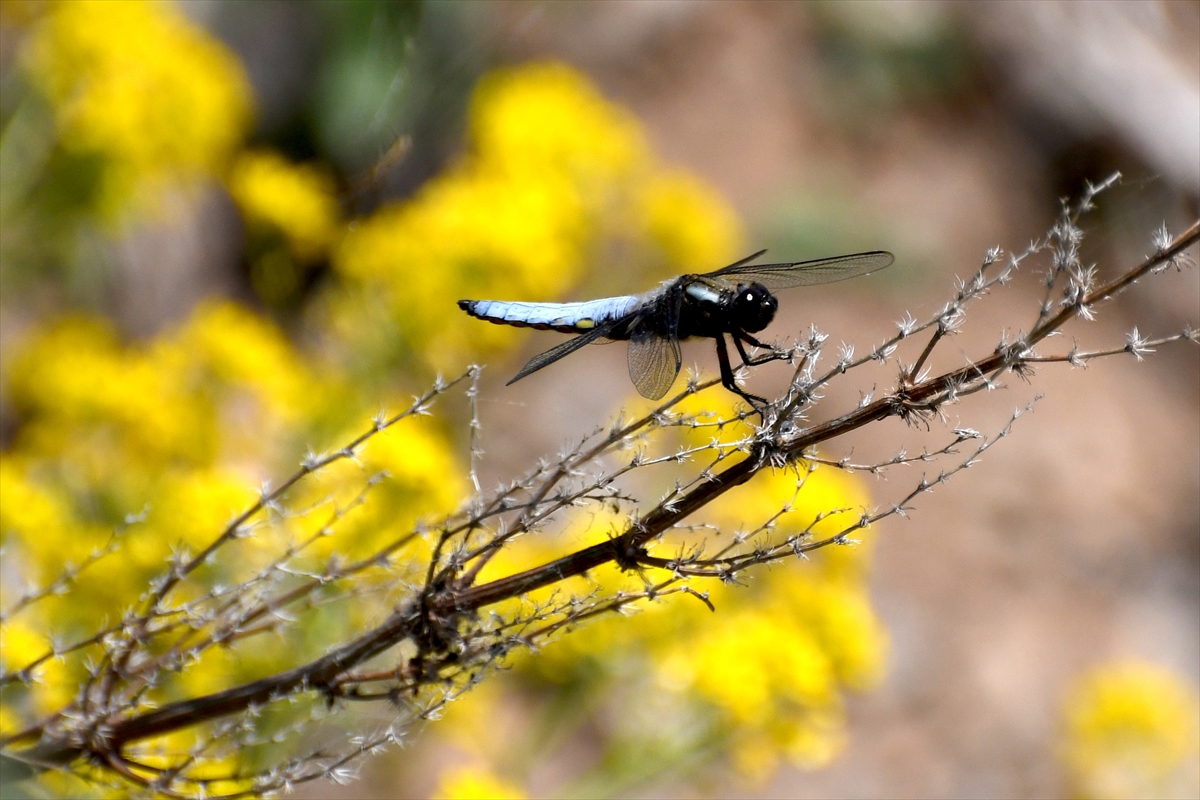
559,351
804,273
654,362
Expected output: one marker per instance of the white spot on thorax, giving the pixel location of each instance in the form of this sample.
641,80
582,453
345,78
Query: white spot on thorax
703,293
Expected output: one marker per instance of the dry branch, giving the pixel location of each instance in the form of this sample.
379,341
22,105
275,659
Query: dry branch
437,642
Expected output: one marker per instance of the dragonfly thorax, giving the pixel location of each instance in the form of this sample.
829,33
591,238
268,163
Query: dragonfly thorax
753,307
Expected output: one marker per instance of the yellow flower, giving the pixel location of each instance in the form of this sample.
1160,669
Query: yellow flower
20,646
22,643
1133,730
555,175
472,783
770,668
190,510
466,235
838,614
140,86
744,666
245,350
423,481
39,528
547,115
420,460
823,500
29,511
690,223
80,389
296,200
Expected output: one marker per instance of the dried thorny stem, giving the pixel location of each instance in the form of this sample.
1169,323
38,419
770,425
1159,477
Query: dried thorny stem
432,643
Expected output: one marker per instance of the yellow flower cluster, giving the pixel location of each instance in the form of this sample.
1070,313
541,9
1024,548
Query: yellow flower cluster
774,665
173,422
155,405
768,672
472,783
185,427
21,643
555,178
806,632
292,218
138,86
557,181
1133,730
689,223
547,116
297,202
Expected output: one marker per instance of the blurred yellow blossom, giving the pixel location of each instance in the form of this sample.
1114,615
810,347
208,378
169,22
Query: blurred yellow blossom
298,201
139,86
774,662
770,667
768,672
223,377
79,391
473,783
182,428
424,481
548,116
40,513
1133,730
417,459
20,645
164,751
463,236
821,499
696,229
556,180
776,666
179,425
242,349
190,507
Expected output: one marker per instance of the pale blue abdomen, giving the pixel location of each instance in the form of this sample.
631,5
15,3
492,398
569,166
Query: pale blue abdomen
565,317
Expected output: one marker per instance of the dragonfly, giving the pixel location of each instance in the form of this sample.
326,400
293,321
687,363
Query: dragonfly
734,301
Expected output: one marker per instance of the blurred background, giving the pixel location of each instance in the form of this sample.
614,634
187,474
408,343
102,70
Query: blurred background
230,230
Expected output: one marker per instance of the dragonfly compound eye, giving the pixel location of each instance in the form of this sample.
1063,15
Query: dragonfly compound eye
754,308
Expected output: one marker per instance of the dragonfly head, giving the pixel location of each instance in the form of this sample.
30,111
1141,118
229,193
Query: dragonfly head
754,307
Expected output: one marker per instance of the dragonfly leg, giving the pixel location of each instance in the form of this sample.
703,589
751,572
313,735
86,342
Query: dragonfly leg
772,355
727,378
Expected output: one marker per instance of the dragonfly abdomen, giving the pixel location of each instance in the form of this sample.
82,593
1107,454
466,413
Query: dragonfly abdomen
562,317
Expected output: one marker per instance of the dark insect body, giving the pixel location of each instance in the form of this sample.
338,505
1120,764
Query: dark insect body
734,301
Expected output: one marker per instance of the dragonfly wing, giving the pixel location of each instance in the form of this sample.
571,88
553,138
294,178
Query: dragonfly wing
654,362
804,273
559,351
